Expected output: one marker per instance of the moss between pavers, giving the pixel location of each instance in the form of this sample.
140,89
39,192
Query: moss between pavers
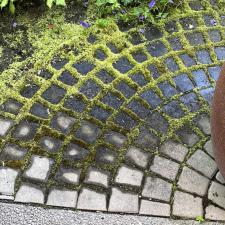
50,41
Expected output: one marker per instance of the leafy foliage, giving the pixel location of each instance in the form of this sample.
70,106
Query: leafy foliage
128,10
125,10
11,4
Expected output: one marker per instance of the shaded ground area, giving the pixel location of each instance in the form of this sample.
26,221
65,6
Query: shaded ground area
119,123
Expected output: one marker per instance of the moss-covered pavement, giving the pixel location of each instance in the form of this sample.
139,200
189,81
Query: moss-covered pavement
112,119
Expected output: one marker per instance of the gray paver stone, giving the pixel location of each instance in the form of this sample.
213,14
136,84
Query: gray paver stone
204,124
157,188
123,202
71,176
165,167
7,180
208,148
214,213
186,205
203,163
193,182
217,194
154,208
115,138
5,126
39,168
91,200
220,178
137,156
174,150
63,198
12,152
128,175
30,194
98,177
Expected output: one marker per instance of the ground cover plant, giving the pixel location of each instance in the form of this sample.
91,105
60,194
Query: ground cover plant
126,10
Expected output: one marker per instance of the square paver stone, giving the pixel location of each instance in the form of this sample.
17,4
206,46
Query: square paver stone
207,94
157,122
91,200
97,177
25,130
40,111
100,113
186,205
125,120
88,132
174,150
11,106
140,110
30,194
157,48
100,54
68,175
188,136
195,38
129,176
39,168
151,98
220,178
191,101
62,198
75,104
50,144
67,78
147,139
123,65
74,152
29,90
154,208
217,194
84,67
112,100
125,89
214,213
54,94
200,78
90,89
7,180
203,122
12,152
105,76
5,125
62,122
123,202
58,63
173,109
105,156
115,138
137,156
193,182
165,167
157,188
203,163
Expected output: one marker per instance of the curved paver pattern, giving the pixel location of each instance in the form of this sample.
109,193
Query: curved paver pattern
121,129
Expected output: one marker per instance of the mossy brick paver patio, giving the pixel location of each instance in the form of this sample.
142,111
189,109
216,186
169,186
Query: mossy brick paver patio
119,123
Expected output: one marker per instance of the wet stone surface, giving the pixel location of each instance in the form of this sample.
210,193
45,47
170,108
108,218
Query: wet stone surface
123,128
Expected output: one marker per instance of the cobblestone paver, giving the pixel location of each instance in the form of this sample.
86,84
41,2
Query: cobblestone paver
124,128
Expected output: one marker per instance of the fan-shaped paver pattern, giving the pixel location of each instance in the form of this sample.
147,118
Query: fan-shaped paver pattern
121,129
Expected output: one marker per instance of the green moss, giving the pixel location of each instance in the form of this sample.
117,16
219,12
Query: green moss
51,36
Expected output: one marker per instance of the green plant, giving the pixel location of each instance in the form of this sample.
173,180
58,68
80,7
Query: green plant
200,219
128,10
11,4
